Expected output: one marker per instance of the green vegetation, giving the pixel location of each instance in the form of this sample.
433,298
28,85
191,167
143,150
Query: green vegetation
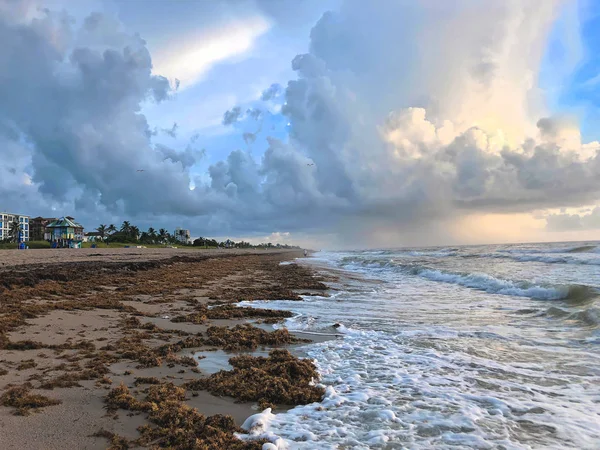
109,236
128,234
30,244
123,244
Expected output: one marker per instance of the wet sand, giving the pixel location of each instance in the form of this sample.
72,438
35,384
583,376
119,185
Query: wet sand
79,326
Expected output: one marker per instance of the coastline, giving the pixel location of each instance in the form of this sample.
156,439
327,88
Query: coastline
107,333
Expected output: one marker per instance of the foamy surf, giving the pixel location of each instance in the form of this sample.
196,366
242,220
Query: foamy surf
382,392
448,352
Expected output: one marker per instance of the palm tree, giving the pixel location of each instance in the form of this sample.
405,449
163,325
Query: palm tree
152,234
126,228
162,235
134,233
102,229
111,229
15,229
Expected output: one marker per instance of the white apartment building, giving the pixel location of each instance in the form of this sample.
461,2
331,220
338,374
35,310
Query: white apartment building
182,235
6,219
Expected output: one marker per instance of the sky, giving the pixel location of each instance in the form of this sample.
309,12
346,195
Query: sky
329,123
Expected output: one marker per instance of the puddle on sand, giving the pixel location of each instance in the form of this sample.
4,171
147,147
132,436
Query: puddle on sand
219,359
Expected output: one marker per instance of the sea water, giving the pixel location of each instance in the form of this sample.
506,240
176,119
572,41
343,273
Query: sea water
488,347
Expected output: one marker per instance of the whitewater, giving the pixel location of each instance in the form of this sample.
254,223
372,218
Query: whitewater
483,347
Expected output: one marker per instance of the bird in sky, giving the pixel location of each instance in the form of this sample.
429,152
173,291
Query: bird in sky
141,170
310,164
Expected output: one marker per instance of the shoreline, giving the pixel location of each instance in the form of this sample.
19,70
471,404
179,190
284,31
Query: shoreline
85,331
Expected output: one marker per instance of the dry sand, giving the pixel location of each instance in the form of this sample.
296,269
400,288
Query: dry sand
48,256
81,309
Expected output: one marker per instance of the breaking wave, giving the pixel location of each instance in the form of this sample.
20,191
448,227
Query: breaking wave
548,259
481,281
492,285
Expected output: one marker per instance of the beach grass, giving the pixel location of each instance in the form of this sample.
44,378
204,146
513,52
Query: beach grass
47,245
31,244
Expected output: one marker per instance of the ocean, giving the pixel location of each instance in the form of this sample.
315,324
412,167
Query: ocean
484,347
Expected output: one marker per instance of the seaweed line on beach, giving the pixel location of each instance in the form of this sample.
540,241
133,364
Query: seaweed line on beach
125,300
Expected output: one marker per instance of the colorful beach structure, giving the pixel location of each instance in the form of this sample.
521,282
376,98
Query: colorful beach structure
65,233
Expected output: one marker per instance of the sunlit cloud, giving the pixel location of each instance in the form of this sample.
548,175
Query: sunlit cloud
188,58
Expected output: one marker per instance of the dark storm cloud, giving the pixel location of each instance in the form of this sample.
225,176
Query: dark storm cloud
79,107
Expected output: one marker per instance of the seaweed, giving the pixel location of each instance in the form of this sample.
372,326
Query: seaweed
248,337
281,378
173,424
116,442
23,401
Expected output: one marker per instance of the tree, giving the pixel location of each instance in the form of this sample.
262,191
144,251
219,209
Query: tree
134,232
126,228
111,229
162,235
152,234
15,229
102,230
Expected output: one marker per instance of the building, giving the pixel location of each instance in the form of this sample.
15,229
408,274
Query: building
37,228
65,233
183,236
6,221
92,236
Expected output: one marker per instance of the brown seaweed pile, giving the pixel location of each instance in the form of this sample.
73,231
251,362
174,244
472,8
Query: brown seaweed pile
203,313
247,337
20,398
175,425
281,378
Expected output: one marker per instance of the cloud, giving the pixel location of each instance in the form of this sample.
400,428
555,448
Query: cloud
171,131
254,113
189,57
249,138
271,92
403,120
235,115
232,116
78,108
574,222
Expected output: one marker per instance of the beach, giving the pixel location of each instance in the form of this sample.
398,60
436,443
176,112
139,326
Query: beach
123,347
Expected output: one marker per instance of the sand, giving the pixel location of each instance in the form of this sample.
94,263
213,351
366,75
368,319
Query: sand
104,315
10,258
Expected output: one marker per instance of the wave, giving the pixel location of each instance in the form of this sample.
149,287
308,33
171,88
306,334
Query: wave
365,262
434,254
588,317
584,249
577,249
548,259
492,285
383,259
